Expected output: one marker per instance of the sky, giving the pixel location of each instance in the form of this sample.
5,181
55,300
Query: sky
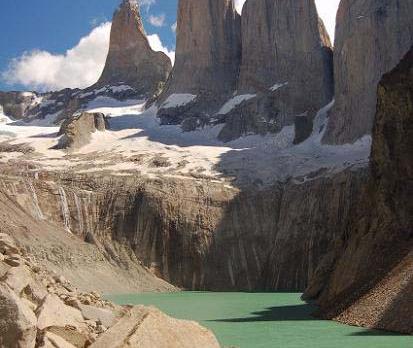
54,44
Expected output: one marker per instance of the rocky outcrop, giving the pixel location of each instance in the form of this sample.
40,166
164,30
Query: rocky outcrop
131,60
77,130
17,104
208,52
17,320
371,38
148,327
50,312
286,62
367,279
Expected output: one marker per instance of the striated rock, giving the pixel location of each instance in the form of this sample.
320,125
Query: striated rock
77,130
207,57
131,60
369,280
147,327
17,321
371,38
286,57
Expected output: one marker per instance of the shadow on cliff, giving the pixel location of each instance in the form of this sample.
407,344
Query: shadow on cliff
282,313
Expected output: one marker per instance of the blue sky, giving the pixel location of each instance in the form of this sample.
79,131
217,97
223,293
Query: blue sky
46,29
57,25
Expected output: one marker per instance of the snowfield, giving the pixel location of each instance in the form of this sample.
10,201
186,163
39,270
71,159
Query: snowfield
232,103
177,100
137,144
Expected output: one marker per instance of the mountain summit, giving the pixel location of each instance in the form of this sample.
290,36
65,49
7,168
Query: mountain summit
131,59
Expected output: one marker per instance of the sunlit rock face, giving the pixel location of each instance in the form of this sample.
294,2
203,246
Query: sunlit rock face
131,60
371,38
207,53
286,61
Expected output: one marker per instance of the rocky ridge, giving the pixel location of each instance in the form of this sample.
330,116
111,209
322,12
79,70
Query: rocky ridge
371,38
42,309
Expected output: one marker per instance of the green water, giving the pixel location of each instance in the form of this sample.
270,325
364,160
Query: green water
264,320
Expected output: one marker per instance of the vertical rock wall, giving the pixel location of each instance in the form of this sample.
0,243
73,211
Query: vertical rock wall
369,278
371,38
131,60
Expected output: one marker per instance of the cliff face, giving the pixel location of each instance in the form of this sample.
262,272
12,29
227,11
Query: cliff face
200,235
371,38
131,60
286,60
207,54
369,280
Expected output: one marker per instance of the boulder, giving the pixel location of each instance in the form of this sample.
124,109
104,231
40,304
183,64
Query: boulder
131,60
208,53
105,316
77,130
50,340
17,278
147,327
371,38
53,312
17,321
7,244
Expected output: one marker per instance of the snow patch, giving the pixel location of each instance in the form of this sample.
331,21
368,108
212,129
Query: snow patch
121,88
177,100
278,86
232,103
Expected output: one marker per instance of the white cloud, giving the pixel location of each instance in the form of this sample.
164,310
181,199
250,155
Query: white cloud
157,45
146,3
157,21
79,67
173,27
327,10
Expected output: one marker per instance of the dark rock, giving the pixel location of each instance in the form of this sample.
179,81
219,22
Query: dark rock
76,131
303,125
368,281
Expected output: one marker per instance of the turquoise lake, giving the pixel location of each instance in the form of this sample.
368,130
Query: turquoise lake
264,320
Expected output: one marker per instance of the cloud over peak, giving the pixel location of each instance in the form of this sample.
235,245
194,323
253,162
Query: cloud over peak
79,67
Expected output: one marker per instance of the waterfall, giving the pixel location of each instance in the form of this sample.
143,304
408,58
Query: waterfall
79,213
65,208
37,211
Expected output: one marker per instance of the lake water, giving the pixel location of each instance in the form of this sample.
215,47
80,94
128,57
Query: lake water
264,320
